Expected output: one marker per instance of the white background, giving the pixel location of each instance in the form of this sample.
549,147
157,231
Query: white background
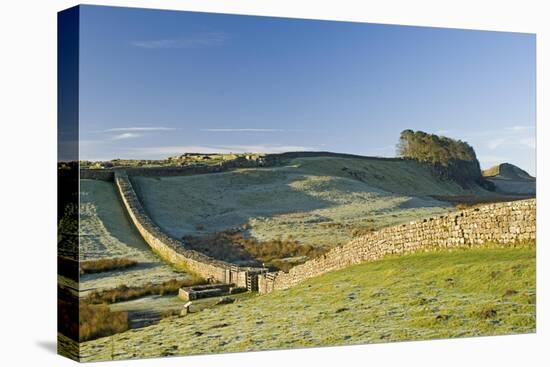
28,181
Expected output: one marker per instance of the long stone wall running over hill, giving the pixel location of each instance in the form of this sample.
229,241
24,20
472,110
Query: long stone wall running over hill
503,223
174,251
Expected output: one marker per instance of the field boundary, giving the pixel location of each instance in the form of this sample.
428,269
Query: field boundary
503,223
500,223
174,251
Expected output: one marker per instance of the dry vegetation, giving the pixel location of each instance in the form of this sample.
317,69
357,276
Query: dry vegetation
81,320
474,292
102,265
233,245
312,202
97,321
125,293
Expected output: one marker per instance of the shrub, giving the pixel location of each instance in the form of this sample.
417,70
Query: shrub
102,265
233,246
96,321
80,320
125,293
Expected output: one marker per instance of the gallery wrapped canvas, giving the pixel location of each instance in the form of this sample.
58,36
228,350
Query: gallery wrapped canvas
231,183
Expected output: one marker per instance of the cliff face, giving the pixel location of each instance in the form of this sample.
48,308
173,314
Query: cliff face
465,173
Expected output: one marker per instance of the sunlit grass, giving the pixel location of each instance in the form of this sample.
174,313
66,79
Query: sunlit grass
489,291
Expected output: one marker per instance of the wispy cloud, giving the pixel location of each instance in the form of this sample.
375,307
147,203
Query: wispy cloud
189,41
244,130
529,142
517,128
135,128
495,143
507,131
487,160
125,136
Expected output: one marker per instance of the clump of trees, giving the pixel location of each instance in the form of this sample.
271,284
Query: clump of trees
433,149
449,158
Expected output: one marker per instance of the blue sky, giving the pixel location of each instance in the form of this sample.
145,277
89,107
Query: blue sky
158,83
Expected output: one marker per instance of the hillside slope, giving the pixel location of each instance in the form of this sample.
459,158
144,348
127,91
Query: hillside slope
420,296
510,179
319,201
106,232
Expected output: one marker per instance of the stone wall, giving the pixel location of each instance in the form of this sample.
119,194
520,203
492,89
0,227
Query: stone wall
268,160
502,223
97,174
173,250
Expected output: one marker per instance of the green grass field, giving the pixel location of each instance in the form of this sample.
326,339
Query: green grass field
317,201
463,293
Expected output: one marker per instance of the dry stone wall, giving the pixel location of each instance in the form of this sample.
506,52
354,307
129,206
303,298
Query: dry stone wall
173,250
502,223
97,174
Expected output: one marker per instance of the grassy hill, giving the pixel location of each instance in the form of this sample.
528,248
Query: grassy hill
487,291
316,201
507,171
510,179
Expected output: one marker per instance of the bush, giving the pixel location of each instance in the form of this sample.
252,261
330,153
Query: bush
233,246
101,265
97,321
125,293
80,320
67,313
